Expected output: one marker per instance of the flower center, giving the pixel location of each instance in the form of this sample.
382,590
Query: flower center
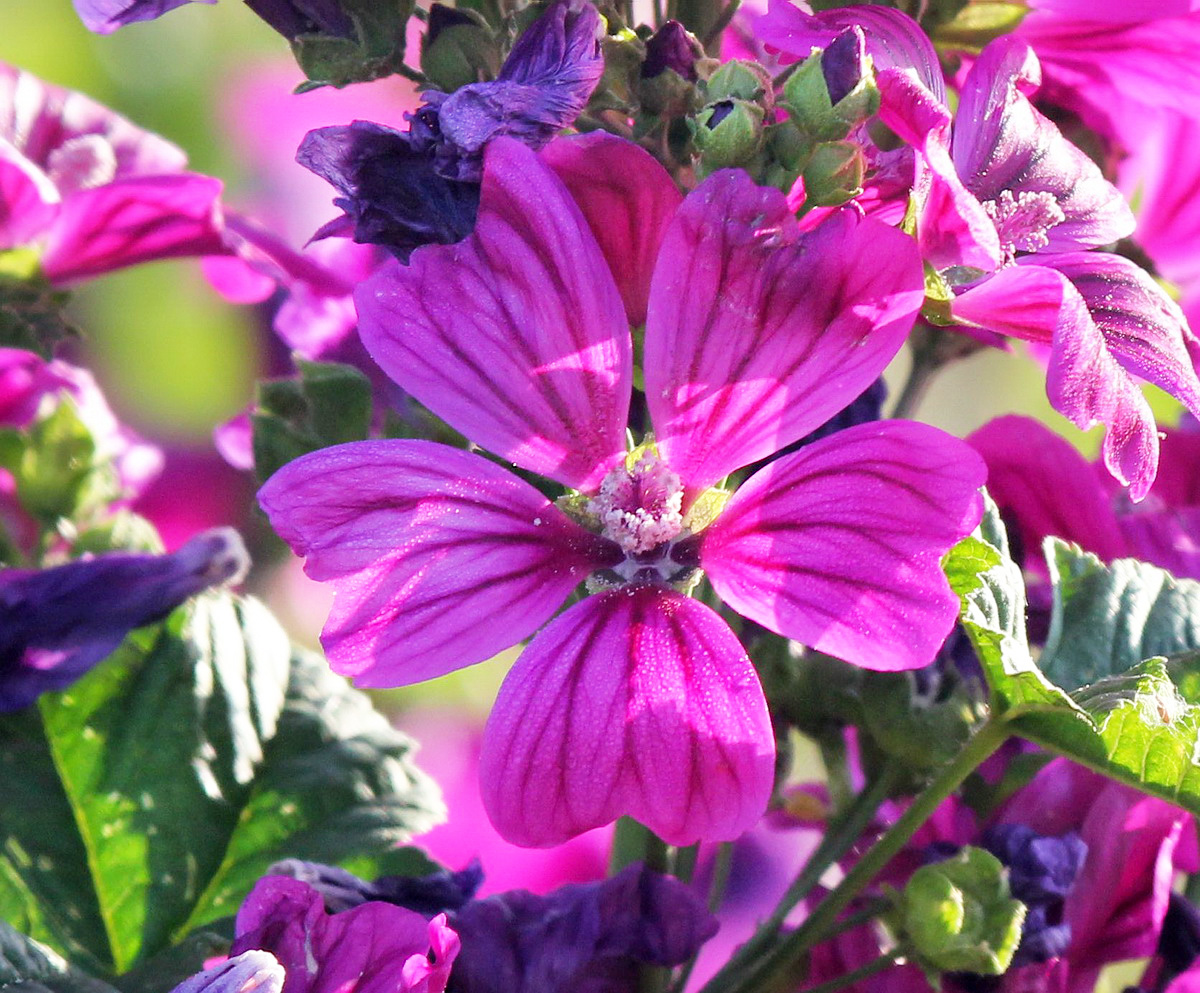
641,507
1023,222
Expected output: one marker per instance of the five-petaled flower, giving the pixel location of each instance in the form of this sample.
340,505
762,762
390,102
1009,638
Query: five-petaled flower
638,699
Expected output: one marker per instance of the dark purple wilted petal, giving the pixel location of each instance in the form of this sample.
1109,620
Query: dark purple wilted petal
56,624
429,895
844,63
543,86
292,18
585,937
105,16
390,191
1040,190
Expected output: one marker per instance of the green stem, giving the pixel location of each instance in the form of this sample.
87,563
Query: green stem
633,842
738,977
713,36
924,365
683,862
716,893
885,961
837,769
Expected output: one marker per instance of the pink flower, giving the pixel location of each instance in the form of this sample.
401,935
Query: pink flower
91,191
638,700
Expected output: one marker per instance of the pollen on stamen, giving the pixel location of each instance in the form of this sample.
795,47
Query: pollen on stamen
1023,222
642,507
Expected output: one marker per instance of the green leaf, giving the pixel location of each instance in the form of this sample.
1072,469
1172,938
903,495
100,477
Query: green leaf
328,404
1109,618
27,966
149,796
992,591
1133,723
376,50
958,915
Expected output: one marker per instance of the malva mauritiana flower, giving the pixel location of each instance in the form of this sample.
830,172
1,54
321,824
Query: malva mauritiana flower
421,186
91,192
56,624
581,938
637,700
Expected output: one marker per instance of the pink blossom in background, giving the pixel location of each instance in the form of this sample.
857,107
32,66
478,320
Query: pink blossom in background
91,191
519,337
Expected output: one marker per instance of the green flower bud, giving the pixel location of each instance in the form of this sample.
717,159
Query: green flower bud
728,133
462,50
833,90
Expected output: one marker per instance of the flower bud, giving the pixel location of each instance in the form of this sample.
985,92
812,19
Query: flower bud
728,133
834,173
458,49
833,90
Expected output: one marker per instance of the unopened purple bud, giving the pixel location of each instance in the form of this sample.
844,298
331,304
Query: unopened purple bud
672,47
437,893
844,63
293,18
56,624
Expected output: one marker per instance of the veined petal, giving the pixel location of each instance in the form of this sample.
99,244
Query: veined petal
516,336
637,701
1143,327
1084,381
756,334
439,558
839,545
628,200
1048,487
1002,144
1119,11
134,220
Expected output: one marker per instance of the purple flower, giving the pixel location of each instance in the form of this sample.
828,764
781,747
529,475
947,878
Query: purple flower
91,191
639,699
105,16
251,972
403,189
371,948
582,937
56,624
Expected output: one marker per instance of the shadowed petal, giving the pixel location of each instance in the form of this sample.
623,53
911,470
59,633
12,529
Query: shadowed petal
638,701
517,335
1047,487
628,200
840,544
134,220
372,948
756,335
1084,381
1002,144
439,558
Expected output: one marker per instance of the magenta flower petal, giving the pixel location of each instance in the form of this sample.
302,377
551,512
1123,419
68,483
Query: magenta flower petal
28,200
1048,487
839,545
517,335
1011,156
756,334
952,227
1084,382
1119,11
439,558
637,701
628,200
134,220
1143,327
